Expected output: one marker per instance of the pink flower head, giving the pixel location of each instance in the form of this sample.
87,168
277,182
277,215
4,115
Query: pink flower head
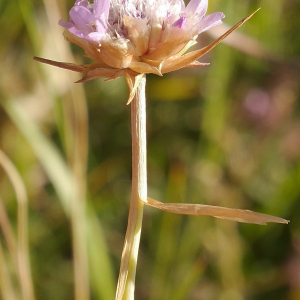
134,37
107,19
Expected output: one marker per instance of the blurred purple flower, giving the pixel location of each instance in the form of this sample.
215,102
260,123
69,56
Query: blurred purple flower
257,103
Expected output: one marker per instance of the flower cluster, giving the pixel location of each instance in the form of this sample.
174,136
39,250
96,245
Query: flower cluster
134,37
144,36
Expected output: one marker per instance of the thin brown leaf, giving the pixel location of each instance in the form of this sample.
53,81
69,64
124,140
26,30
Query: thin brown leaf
63,65
239,215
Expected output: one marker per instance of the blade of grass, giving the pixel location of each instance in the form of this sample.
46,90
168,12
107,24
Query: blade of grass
8,233
22,252
6,287
169,231
61,178
191,276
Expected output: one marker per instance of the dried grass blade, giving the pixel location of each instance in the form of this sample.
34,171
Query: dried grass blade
239,215
6,286
24,271
8,233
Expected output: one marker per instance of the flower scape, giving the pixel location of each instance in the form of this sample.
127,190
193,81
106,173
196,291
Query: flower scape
132,38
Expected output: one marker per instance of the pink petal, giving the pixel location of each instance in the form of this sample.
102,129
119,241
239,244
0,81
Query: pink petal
101,26
180,22
84,3
94,36
197,6
182,4
81,16
211,20
64,23
80,33
101,7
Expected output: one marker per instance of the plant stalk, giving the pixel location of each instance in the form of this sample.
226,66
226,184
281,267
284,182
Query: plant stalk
78,206
126,282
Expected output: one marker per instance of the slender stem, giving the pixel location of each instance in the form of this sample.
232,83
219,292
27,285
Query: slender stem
78,207
125,290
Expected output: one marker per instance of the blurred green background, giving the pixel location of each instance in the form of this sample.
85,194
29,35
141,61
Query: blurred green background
226,134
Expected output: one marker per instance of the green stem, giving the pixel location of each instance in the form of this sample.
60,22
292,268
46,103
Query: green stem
126,282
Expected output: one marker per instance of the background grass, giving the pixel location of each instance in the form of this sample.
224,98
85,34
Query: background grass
227,134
